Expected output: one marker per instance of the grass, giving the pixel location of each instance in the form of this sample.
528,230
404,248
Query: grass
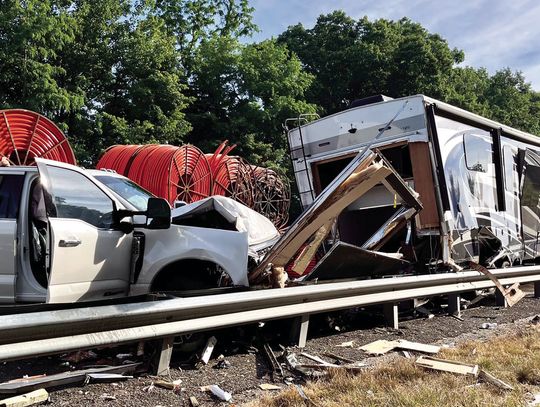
513,358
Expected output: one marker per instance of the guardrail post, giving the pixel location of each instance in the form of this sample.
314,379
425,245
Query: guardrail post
454,304
537,289
391,315
162,358
299,330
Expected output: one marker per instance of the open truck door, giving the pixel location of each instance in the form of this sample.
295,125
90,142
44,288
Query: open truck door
88,256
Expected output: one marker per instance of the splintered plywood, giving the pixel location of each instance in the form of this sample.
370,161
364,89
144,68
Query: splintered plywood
447,366
428,217
418,347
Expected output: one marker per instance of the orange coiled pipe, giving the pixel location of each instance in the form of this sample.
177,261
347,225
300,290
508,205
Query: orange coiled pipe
25,135
173,173
118,158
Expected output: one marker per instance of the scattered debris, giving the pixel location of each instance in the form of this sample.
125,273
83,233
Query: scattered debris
208,349
512,294
79,356
105,377
267,386
274,364
349,344
194,402
416,346
379,347
426,312
489,325
175,385
535,320
383,346
406,354
349,368
60,379
318,360
220,393
108,397
535,401
34,397
447,366
489,378
457,317
338,358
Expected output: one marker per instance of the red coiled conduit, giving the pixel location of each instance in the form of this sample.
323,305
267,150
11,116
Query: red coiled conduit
25,135
118,158
173,173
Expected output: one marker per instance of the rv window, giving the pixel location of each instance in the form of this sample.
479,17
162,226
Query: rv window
478,152
510,169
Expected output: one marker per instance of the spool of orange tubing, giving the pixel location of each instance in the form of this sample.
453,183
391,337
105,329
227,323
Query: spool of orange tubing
233,179
25,135
173,173
118,158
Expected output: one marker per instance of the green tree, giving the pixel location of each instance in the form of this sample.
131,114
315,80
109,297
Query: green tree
244,93
356,58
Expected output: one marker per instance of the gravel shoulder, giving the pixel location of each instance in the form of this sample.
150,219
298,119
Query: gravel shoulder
249,368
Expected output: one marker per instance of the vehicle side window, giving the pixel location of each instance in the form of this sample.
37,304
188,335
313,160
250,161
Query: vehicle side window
10,195
510,170
76,197
478,152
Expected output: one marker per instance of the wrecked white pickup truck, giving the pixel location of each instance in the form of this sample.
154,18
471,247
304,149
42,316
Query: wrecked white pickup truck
68,234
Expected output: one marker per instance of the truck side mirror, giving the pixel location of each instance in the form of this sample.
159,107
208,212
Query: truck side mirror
158,214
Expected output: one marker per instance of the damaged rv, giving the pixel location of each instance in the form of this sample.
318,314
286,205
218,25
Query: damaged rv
459,188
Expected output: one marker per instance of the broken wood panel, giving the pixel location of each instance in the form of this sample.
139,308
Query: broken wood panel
34,397
302,261
418,347
379,347
362,168
447,366
428,217
61,379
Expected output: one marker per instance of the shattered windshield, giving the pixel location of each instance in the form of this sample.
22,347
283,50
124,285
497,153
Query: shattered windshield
127,189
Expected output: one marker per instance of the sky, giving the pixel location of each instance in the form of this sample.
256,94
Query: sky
493,34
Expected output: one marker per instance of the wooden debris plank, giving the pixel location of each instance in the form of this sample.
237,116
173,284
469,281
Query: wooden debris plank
416,346
318,359
489,378
268,386
337,357
28,399
208,349
447,366
379,347
194,402
348,368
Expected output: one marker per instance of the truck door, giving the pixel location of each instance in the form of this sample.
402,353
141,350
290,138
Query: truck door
11,184
89,258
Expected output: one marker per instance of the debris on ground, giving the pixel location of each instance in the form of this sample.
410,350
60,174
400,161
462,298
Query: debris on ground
383,346
268,386
61,379
489,378
194,402
174,385
447,366
105,377
348,344
28,399
489,325
208,349
220,393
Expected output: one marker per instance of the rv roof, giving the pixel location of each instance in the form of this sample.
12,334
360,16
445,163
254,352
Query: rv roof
447,110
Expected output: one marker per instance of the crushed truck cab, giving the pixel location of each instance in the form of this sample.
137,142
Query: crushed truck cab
66,236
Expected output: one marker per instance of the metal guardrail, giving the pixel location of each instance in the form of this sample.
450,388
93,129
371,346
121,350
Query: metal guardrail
50,332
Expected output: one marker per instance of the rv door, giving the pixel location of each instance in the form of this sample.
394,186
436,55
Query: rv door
89,258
